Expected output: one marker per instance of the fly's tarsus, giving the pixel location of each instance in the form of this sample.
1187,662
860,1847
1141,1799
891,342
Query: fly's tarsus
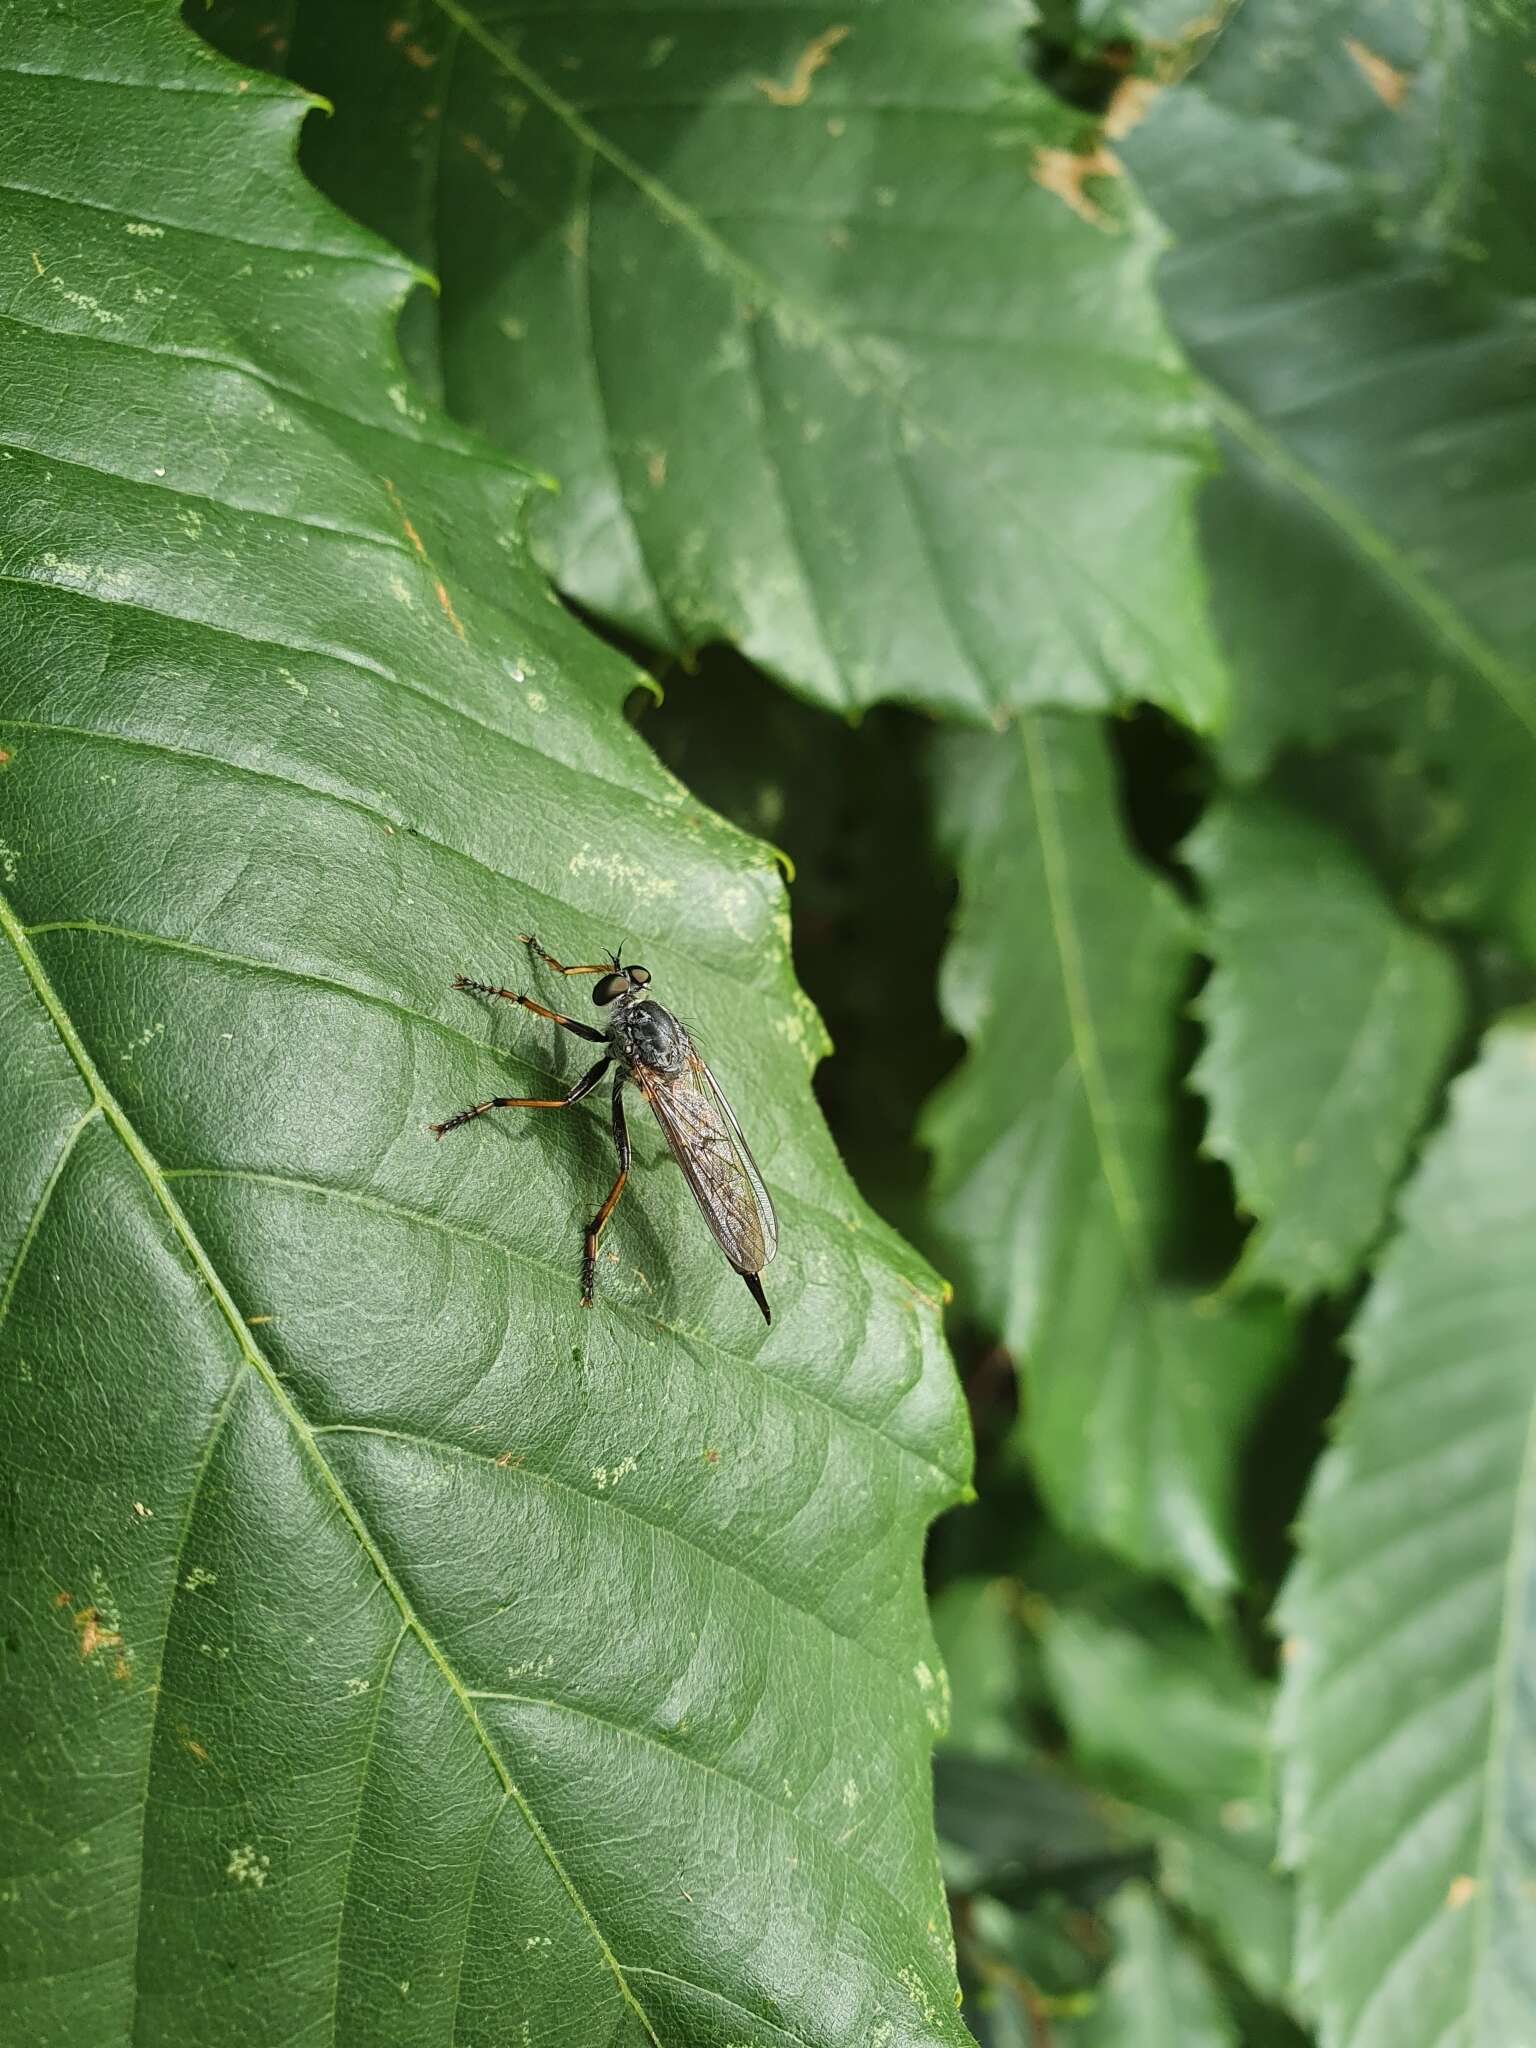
526,939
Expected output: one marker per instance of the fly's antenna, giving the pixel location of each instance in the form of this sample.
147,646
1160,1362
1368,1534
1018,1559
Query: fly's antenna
616,966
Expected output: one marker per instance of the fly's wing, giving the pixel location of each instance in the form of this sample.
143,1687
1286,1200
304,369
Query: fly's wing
707,1144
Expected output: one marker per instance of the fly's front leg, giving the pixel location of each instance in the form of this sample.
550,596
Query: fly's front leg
510,995
527,939
584,1086
595,1227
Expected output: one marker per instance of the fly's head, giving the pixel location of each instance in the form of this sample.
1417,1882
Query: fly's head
623,985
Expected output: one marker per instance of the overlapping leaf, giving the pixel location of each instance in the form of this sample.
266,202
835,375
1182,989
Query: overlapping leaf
834,352
1409,1724
1356,283
401,1653
1166,1718
1055,1154
1329,1024
1157,1993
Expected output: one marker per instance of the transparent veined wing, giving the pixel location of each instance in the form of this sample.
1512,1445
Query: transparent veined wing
707,1143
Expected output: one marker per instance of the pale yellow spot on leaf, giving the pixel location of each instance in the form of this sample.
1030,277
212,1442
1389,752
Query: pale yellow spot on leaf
1385,80
807,64
1064,173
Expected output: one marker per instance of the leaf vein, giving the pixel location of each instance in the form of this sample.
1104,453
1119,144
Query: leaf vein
428,1221
838,1850
612,1503
45,1196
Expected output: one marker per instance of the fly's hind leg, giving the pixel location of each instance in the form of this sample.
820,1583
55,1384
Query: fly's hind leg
595,1227
584,1086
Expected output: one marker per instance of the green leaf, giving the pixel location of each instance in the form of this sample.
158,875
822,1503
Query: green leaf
1163,1715
1355,285
1020,1831
1329,1025
822,365
1056,1172
1157,1992
1407,1709
1025,1973
399,1651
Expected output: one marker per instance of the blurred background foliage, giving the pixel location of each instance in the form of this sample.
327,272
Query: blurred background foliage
1158,796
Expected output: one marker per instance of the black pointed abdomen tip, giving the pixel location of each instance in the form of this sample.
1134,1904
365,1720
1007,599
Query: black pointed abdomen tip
755,1289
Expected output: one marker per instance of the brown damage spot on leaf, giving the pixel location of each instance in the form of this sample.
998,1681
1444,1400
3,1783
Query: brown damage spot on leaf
439,588
656,468
492,159
93,1636
1065,172
1128,104
807,64
507,1459
62,1599
1461,1891
399,33
1385,80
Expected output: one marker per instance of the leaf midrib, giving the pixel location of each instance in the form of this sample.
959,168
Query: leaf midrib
1125,1204
1124,1201
252,1357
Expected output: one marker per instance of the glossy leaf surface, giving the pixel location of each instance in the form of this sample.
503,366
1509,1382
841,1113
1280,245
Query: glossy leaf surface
1167,1719
839,344
1329,1023
1355,285
402,1654
1054,1146
1157,1992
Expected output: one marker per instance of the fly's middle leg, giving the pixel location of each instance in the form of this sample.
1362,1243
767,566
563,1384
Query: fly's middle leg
595,1227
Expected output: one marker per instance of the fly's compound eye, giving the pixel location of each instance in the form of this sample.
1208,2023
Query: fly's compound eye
639,975
610,988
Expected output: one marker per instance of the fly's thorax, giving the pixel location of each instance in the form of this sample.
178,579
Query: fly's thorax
643,1034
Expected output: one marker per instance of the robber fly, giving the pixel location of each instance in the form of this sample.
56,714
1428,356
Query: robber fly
649,1048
